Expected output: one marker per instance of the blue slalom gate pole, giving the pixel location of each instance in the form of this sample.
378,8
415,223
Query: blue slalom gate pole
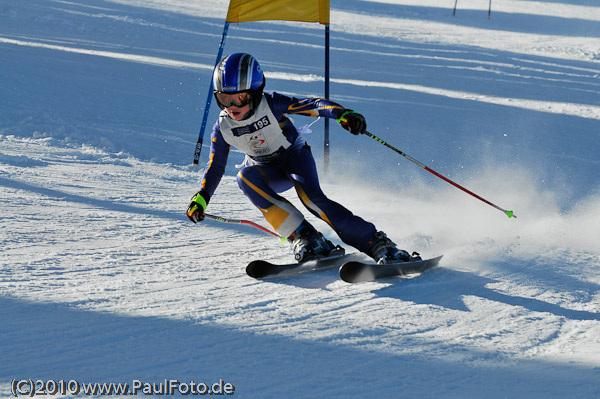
326,133
208,102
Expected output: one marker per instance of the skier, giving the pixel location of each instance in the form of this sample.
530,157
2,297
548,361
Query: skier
277,159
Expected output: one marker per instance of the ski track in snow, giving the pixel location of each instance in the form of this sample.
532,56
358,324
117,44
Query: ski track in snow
103,278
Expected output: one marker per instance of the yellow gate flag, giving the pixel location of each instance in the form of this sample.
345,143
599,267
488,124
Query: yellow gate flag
284,10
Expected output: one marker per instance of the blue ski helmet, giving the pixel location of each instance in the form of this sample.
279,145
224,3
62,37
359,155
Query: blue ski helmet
237,73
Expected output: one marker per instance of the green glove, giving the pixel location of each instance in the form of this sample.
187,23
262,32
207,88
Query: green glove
195,211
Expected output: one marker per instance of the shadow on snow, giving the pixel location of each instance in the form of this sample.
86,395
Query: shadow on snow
60,341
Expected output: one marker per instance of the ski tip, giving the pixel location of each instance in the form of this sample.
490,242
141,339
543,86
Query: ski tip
511,214
358,272
256,269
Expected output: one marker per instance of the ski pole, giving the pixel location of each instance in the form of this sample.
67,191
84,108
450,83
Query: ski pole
510,214
246,222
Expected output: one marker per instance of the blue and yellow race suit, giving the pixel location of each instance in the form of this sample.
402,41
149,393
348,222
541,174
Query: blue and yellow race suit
279,159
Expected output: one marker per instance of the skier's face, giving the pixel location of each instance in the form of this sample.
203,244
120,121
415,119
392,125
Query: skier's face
236,105
237,113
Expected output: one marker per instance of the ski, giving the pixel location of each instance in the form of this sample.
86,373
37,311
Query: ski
261,269
357,272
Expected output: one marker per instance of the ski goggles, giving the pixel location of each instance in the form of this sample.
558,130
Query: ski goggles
236,99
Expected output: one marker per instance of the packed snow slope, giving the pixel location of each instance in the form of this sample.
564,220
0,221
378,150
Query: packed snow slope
103,279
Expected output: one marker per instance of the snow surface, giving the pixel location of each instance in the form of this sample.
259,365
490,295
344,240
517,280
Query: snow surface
103,279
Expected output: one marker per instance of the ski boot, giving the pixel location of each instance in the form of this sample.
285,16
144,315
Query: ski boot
310,244
384,250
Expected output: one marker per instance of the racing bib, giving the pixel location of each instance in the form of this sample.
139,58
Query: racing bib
259,136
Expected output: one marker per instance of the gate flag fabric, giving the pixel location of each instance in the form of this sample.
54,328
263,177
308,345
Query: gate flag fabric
283,10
